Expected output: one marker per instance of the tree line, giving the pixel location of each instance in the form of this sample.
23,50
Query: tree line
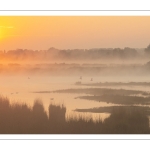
77,54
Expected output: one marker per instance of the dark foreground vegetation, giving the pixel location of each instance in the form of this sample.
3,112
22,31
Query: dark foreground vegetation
22,119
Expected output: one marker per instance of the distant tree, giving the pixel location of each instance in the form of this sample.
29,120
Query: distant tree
147,50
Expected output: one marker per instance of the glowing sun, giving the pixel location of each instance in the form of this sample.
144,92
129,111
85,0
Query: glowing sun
1,35
4,31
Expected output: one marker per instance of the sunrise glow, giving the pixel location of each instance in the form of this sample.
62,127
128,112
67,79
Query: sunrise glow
68,32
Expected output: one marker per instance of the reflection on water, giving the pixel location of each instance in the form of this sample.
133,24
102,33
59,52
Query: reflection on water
21,89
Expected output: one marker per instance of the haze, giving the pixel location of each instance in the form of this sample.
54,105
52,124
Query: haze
67,32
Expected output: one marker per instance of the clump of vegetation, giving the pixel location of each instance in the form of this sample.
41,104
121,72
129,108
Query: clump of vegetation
22,119
131,120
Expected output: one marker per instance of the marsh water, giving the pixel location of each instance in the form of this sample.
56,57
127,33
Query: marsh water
27,88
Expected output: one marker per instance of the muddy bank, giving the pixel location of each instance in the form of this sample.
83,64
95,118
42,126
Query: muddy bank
119,99
111,109
116,84
98,91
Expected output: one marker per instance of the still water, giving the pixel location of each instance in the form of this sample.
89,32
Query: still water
22,88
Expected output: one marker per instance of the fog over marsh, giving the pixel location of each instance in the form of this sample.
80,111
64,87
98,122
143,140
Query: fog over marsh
87,82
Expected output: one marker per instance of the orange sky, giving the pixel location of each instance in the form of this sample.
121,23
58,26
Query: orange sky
69,32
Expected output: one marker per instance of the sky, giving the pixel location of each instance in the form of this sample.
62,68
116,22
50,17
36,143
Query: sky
73,32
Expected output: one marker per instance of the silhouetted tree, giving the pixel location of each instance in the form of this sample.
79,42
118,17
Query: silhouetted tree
40,118
147,50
